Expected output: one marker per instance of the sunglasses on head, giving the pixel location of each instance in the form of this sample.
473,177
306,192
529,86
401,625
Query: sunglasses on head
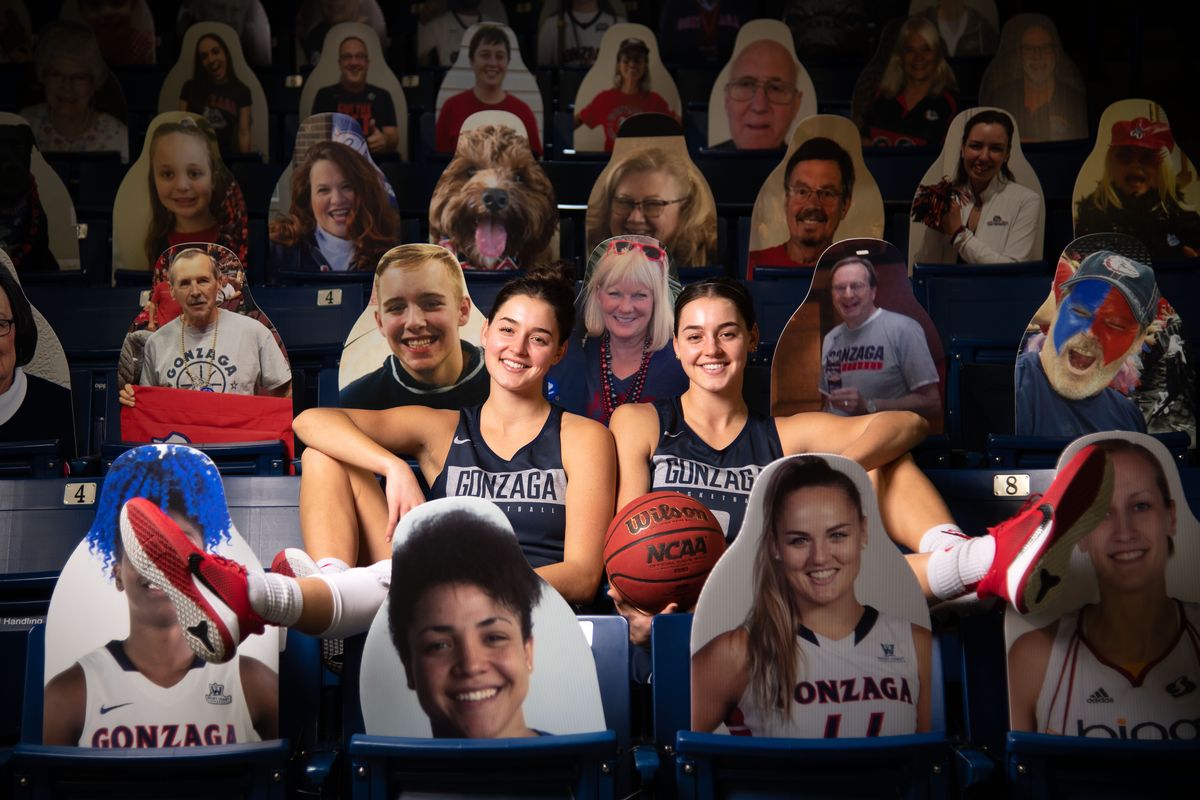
651,252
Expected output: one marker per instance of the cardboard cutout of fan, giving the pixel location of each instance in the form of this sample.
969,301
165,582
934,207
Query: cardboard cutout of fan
567,40
495,80
1106,351
627,78
852,348
1034,80
353,78
1064,675
832,196
40,234
867,619
1011,222
1137,181
178,190
652,187
212,79
969,27
765,55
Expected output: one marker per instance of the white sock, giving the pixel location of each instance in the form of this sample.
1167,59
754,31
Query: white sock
332,565
357,595
276,598
941,536
954,568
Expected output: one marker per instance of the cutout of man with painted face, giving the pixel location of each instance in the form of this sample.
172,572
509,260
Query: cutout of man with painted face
1102,318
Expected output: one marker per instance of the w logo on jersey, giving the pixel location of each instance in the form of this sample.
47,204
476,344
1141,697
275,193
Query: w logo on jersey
889,650
216,695
889,653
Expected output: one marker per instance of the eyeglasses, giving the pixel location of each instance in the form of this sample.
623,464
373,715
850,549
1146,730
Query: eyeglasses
744,89
825,195
1143,156
651,209
78,79
6,326
852,288
621,246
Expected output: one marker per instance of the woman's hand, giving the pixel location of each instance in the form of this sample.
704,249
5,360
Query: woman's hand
402,494
639,621
952,219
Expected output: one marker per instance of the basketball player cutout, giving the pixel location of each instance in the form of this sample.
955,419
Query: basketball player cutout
782,645
149,690
1117,655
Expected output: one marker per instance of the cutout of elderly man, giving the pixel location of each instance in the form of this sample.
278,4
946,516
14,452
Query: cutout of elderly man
875,360
206,347
1102,317
370,105
818,186
761,98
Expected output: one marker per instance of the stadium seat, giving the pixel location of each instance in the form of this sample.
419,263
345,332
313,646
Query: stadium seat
1043,451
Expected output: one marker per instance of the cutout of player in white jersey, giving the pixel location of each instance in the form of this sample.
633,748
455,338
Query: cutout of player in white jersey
782,645
1117,655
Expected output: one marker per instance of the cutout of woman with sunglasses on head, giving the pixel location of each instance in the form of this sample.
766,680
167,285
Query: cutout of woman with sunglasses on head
624,355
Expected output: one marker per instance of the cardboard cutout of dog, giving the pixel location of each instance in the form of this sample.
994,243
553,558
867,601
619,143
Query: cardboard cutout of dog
90,608
898,354
521,93
1106,350
324,83
765,37
879,115
600,107
366,347
755,567
51,415
557,662
1061,679
570,41
44,237
493,206
221,88
828,142
1137,181
1034,80
148,207
975,22
650,163
1007,229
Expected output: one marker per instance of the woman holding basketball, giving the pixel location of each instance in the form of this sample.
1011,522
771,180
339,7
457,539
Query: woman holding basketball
807,628
707,444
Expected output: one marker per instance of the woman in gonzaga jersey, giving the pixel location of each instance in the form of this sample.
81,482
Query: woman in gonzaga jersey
707,444
150,690
508,450
1127,667
806,663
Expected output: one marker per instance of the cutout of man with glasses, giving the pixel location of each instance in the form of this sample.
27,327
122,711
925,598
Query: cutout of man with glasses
818,185
761,98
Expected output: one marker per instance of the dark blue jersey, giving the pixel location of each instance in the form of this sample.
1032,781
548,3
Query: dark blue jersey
721,479
530,488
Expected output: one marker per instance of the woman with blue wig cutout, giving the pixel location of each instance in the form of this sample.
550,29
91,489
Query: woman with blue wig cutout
150,690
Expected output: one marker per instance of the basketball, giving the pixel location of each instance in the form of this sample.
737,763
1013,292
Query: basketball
660,548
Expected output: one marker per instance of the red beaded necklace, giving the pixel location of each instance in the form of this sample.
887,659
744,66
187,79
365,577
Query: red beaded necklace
608,394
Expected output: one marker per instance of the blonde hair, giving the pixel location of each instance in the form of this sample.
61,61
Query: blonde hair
892,82
1107,196
631,265
414,256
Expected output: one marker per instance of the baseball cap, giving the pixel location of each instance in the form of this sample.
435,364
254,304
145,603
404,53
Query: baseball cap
1134,279
1141,132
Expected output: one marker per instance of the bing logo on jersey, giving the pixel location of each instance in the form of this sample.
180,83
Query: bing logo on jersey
216,695
1179,729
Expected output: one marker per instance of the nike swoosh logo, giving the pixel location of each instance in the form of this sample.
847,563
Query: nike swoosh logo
460,441
106,709
673,435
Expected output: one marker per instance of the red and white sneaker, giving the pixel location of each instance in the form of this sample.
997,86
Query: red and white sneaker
208,591
1033,548
294,563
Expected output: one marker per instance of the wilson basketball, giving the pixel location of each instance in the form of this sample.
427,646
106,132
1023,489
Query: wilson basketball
660,548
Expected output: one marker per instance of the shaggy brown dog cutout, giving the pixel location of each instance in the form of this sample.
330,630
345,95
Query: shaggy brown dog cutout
493,206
